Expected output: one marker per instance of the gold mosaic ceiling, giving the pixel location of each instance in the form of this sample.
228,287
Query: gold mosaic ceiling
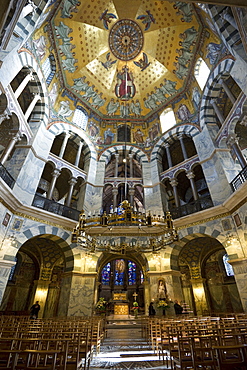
88,33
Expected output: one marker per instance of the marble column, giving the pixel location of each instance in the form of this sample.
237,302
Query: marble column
240,272
116,165
114,193
31,106
78,154
168,154
22,85
131,194
72,183
131,164
174,184
146,296
55,175
9,148
5,268
232,142
63,147
191,177
228,91
180,137
217,111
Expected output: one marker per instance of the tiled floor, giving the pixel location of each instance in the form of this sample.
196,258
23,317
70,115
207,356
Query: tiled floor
124,348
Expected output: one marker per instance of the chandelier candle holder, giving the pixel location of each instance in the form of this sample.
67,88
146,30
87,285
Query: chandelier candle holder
125,230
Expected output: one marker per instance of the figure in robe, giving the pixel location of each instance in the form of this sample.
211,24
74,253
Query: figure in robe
112,107
125,88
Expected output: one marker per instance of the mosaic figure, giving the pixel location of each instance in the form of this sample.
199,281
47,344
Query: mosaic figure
80,84
107,18
69,6
124,110
64,110
181,70
183,112
135,108
62,32
138,136
196,98
112,107
98,101
143,62
108,137
147,19
125,87
185,10
40,46
69,64
108,63
150,102
213,52
158,95
169,87
189,37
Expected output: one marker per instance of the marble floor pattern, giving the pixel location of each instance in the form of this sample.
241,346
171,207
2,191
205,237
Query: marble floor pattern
125,348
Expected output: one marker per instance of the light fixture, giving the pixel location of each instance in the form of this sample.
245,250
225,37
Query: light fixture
125,231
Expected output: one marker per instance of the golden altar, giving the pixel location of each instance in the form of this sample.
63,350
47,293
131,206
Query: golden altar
121,306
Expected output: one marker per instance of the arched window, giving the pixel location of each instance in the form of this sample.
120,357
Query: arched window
201,73
106,274
167,119
131,272
228,266
80,117
119,272
123,134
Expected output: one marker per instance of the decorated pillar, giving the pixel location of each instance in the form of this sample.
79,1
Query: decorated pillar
198,288
10,147
174,184
217,111
55,175
191,177
72,183
232,142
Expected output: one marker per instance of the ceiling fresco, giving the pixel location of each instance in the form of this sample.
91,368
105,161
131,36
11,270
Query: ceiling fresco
123,61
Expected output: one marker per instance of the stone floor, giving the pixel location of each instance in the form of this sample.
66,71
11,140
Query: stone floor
125,348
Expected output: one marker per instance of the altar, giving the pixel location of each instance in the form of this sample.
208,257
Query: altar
121,305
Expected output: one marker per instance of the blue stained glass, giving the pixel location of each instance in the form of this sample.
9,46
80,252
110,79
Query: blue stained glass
131,273
119,272
105,275
228,266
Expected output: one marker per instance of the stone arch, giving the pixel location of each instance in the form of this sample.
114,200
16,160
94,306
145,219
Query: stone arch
107,153
60,237
222,70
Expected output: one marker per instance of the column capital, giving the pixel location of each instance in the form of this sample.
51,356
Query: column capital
56,172
114,190
131,155
190,174
180,136
72,181
132,191
232,139
173,182
166,145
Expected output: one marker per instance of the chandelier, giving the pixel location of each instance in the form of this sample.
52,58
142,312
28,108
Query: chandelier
124,231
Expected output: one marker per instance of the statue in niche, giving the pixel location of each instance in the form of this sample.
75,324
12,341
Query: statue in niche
162,292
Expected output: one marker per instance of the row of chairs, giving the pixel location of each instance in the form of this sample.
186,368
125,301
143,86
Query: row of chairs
200,343
49,343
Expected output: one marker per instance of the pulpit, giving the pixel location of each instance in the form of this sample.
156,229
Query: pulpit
121,304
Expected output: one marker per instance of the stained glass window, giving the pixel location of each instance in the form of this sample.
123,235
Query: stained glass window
106,273
131,273
142,277
228,266
119,272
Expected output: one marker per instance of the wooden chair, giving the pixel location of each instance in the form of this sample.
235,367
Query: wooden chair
231,357
183,360
203,353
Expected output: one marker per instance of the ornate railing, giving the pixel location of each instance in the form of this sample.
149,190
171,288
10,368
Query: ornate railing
239,179
7,178
54,207
192,207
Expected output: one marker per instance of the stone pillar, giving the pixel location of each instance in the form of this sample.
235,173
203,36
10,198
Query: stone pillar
240,271
72,183
199,294
5,268
131,164
9,148
114,193
228,91
174,184
65,141
55,175
40,294
131,194
180,137
146,296
168,154
29,110
22,85
191,176
116,165
217,111
78,154
232,141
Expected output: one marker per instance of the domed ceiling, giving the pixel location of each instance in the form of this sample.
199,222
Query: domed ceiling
124,58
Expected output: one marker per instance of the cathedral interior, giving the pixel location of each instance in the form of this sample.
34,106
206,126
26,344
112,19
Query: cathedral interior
123,155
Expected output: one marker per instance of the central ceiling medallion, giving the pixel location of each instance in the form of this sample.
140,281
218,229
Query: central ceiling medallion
126,39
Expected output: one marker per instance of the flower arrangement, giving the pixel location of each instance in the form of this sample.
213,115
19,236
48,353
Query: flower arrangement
135,308
101,304
162,304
